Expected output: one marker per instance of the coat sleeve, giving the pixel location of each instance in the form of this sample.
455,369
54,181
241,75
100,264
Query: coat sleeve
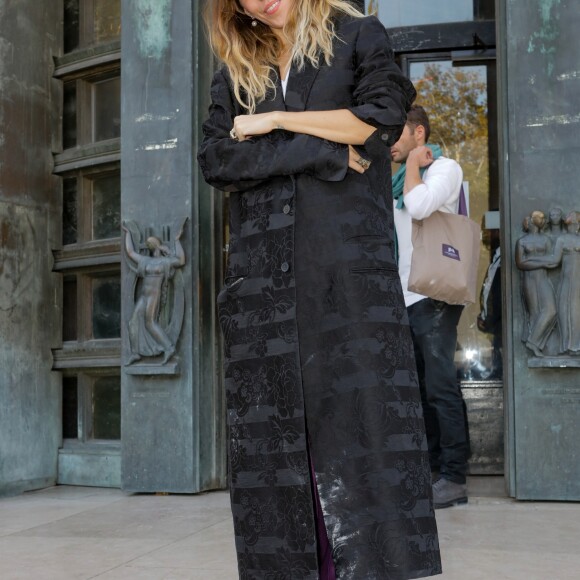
236,166
382,95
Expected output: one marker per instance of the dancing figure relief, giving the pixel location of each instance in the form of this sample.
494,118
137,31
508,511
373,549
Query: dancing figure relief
157,293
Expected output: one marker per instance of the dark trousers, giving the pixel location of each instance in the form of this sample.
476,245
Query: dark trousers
434,331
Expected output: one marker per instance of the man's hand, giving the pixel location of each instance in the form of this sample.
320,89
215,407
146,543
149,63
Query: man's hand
418,158
422,156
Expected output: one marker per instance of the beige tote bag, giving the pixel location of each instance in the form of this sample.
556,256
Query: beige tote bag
446,257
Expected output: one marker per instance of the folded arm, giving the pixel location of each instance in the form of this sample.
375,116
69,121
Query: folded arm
381,97
524,262
234,166
340,126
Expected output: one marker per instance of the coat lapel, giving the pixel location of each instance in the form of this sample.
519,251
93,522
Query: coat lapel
299,85
272,102
297,91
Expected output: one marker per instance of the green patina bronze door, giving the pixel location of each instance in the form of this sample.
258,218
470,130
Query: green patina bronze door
89,166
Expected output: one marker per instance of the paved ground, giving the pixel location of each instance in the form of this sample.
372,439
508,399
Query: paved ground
71,533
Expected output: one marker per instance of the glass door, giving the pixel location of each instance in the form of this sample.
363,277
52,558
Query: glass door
458,91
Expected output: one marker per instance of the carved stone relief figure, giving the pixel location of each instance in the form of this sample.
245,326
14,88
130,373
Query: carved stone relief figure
538,292
567,254
557,250
158,301
555,221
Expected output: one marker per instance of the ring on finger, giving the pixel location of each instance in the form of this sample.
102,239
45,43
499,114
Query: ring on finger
364,163
234,135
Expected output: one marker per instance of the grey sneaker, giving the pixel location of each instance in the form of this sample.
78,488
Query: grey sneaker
448,493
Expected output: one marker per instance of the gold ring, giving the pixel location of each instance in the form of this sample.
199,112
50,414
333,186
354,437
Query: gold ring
234,135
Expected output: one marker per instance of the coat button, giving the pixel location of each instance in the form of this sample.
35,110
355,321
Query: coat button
385,136
286,209
285,267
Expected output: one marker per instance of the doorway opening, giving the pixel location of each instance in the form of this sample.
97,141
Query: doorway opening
458,90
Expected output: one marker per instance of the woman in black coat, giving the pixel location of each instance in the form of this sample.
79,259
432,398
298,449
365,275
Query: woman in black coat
328,461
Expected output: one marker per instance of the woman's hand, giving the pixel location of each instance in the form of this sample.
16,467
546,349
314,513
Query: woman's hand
356,162
246,126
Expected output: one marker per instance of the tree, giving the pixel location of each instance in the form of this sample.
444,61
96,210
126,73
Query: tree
456,102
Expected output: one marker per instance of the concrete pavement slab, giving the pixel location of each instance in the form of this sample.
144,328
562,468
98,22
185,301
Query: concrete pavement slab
68,533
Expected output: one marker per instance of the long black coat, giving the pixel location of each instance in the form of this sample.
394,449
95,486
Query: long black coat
316,332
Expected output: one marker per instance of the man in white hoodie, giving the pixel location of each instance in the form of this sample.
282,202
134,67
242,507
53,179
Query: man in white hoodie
425,183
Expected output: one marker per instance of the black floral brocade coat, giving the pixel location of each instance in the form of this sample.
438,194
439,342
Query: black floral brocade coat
318,349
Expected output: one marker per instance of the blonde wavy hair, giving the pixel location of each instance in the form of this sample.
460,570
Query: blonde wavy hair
251,53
